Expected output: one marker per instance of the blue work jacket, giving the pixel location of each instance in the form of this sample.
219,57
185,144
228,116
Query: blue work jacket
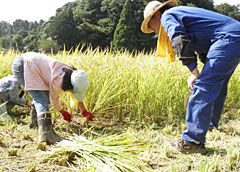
209,31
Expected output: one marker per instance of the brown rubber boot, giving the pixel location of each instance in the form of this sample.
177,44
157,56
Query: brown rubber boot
33,119
45,130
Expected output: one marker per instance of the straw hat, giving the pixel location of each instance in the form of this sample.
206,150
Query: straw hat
150,9
80,82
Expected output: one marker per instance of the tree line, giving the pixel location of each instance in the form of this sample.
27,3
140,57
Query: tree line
99,23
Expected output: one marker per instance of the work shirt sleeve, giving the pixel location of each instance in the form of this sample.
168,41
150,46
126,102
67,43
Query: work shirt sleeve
14,94
185,51
55,88
54,98
181,42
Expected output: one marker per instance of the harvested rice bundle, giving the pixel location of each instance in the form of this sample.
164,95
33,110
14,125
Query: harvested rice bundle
115,153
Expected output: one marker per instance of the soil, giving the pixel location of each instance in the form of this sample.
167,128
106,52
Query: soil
19,147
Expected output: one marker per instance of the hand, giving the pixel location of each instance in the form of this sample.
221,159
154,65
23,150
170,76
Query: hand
66,116
192,78
28,103
87,114
190,81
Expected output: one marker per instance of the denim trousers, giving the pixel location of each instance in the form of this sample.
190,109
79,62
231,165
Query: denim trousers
18,70
40,97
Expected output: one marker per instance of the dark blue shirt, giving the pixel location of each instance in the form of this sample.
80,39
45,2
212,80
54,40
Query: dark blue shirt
202,26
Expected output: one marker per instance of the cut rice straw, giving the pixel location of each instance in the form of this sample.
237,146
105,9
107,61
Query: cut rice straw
115,153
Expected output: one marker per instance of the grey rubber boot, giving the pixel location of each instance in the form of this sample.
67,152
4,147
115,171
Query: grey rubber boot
33,119
45,130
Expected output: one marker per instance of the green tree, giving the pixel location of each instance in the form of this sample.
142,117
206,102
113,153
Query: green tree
49,45
5,42
23,33
112,10
144,41
17,42
229,10
62,27
91,34
87,15
33,26
89,11
207,4
5,28
31,41
19,25
124,35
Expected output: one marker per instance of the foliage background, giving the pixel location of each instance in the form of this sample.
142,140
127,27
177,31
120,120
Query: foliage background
96,22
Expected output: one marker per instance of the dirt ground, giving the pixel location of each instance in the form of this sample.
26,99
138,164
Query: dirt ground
19,147
20,150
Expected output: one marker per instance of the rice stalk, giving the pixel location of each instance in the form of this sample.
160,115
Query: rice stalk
115,153
210,164
140,88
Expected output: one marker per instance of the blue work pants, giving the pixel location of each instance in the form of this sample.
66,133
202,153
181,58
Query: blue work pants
210,89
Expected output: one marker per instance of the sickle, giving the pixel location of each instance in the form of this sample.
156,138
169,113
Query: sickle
186,97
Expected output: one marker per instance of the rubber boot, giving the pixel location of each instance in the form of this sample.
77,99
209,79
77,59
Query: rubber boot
46,132
33,119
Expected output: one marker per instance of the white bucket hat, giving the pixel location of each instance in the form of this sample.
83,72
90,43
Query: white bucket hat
80,82
150,9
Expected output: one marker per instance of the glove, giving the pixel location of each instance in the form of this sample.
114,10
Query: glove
85,113
28,103
67,116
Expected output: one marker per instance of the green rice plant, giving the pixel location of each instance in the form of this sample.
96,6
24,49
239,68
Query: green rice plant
126,83
6,62
233,157
174,168
12,152
215,135
182,127
5,138
140,99
27,136
140,88
233,97
42,146
168,129
109,91
211,165
165,151
31,167
107,153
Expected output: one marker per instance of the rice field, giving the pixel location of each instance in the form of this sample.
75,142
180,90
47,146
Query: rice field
138,103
